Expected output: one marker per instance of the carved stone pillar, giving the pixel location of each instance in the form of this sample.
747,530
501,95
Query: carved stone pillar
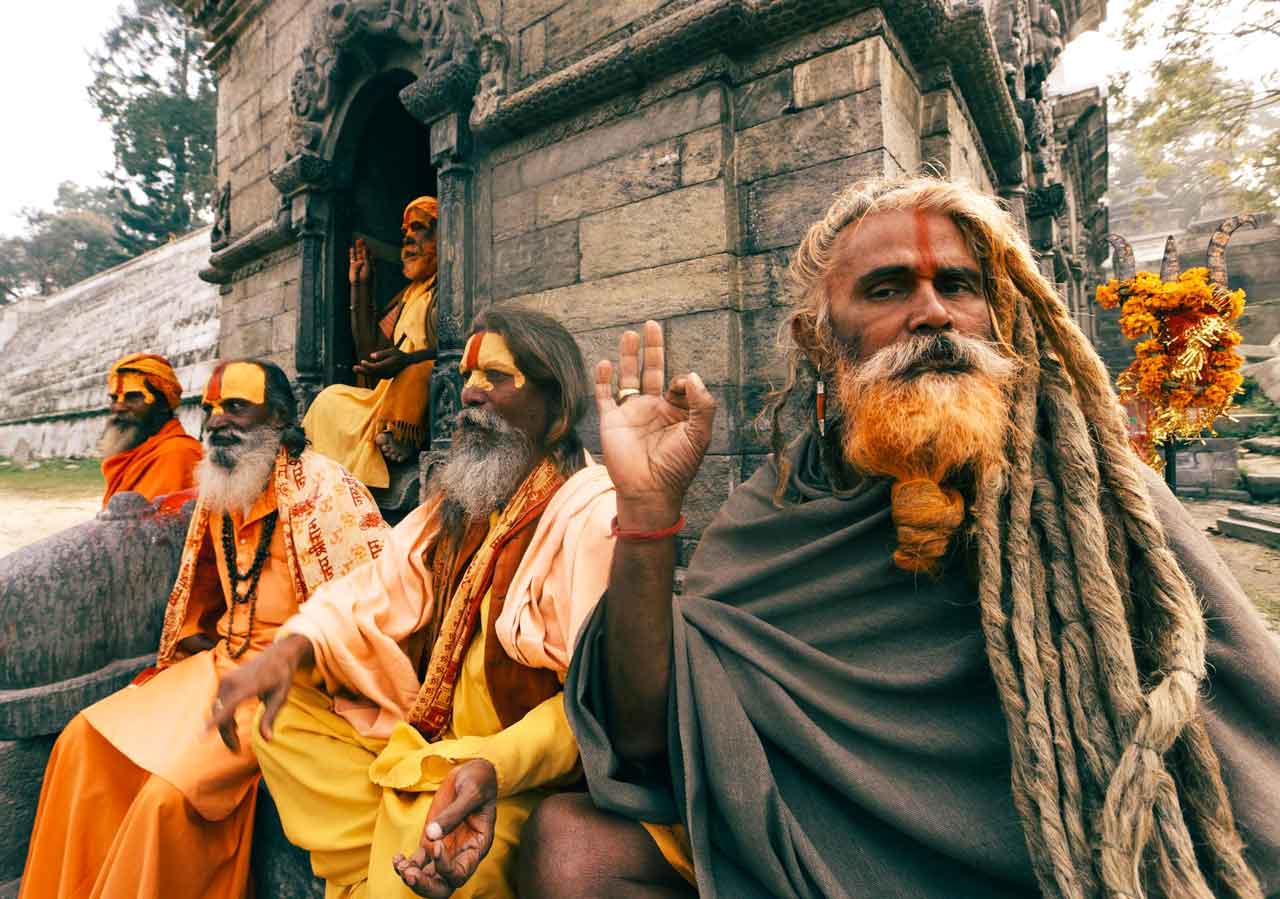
450,154
305,181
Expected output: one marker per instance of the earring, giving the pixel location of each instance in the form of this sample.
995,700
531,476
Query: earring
821,404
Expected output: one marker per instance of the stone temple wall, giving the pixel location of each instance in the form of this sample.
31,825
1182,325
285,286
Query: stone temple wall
56,351
613,162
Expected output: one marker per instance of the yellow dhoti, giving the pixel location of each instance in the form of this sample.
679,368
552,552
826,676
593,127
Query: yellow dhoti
344,420
318,769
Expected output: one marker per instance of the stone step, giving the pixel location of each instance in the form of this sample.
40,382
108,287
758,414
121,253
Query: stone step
1252,531
1267,446
1259,514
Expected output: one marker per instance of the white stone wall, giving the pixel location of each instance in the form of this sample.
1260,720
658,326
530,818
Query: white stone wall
55,352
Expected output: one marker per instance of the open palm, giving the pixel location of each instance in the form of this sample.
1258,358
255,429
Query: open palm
654,440
464,813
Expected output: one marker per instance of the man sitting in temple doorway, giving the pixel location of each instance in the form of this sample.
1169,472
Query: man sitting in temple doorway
140,798
144,447
365,427
426,718
954,639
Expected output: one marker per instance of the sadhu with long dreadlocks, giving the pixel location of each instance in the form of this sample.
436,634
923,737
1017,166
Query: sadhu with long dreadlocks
954,641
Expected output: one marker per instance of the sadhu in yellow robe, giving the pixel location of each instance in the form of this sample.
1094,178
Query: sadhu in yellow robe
139,800
432,656
344,420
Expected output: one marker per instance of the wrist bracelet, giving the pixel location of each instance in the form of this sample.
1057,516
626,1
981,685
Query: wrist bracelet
645,536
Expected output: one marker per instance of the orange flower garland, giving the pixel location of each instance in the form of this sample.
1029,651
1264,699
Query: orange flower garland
1186,371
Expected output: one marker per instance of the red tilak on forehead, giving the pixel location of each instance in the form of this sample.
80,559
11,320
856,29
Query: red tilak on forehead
213,390
928,262
472,357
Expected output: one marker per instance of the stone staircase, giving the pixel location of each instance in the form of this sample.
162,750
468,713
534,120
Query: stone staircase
1252,523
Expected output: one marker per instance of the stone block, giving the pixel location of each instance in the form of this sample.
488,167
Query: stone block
1241,424
779,210
533,49
253,204
104,581
761,280
45,709
1211,464
251,340
580,23
763,359
284,331
689,111
514,215
280,869
718,477
705,342
536,261
701,156
844,127
763,99
22,764
267,303
948,139
683,224
626,179
516,14
656,293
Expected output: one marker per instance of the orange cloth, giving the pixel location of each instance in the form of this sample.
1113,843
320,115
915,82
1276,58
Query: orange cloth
165,778
673,843
138,799
163,463
156,369
360,626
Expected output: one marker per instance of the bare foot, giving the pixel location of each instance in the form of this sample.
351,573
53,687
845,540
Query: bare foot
394,450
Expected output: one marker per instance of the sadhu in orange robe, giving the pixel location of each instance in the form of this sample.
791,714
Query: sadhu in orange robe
164,463
139,799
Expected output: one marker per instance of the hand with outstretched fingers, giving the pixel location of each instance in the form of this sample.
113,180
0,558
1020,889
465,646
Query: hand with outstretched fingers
654,440
459,832
358,267
268,678
383,363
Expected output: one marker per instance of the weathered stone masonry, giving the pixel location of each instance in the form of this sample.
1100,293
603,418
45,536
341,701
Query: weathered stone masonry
611,162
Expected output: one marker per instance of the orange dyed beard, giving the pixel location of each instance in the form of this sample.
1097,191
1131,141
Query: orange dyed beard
920,431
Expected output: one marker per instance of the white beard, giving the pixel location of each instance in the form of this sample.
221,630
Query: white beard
231,478
120,437
486,463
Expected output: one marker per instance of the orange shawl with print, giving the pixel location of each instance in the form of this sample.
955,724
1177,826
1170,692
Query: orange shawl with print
331,527
163,463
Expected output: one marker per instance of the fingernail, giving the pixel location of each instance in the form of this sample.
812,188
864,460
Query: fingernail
433,831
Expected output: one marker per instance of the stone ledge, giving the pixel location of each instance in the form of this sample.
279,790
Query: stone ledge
46,709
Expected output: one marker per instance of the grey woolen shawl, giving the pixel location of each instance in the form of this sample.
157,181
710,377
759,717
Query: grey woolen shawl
834,728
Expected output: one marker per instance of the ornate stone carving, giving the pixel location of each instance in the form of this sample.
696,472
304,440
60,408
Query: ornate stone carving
446,401
450,59
1050,200
494,54
1046,44
220,234
1037,124
302,170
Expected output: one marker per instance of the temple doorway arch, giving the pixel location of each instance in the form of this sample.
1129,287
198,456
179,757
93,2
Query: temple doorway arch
382,161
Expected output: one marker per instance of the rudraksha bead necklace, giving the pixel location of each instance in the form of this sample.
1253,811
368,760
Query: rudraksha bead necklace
252,576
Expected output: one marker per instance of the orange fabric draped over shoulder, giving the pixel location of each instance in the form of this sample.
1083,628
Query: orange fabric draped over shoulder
163,463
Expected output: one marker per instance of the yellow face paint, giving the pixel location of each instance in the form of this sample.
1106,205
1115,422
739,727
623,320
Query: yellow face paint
122,383
488,351
235,381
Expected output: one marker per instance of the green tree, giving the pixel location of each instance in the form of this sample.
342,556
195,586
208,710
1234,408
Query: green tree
1198,127
154,90
62,245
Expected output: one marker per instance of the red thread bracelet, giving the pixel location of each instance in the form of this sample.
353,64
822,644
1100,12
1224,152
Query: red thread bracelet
645,536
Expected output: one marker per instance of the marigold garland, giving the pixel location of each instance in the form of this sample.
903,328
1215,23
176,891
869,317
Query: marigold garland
1185,371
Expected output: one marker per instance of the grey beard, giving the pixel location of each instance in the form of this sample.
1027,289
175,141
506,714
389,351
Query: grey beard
944,352
120,436
485,465
231,478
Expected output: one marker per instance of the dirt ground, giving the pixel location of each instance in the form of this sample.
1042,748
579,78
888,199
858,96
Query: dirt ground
40,502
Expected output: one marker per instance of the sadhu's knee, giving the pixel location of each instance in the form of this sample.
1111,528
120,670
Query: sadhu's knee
552,860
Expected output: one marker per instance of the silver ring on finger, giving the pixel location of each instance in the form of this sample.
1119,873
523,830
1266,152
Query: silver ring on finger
626,392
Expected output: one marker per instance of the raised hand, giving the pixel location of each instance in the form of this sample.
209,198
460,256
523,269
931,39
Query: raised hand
653,440
458,834
268,678
358,269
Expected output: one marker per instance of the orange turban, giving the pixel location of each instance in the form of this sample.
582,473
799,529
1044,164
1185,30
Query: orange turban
156,369
425,205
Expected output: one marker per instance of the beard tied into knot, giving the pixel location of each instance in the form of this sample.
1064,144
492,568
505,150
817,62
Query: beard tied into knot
921,412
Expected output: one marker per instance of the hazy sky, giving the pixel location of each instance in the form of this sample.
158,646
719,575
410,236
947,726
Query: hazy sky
52,132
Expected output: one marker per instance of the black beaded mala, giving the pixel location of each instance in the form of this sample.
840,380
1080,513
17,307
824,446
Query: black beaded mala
252,576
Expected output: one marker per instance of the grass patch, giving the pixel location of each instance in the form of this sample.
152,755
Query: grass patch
53,479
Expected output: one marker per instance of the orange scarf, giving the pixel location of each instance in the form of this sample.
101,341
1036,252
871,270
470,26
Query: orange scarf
163,463
431,709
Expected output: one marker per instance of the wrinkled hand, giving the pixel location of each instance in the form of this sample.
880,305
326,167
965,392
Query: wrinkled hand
383,363
459,832
268,678
653,441
358,269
